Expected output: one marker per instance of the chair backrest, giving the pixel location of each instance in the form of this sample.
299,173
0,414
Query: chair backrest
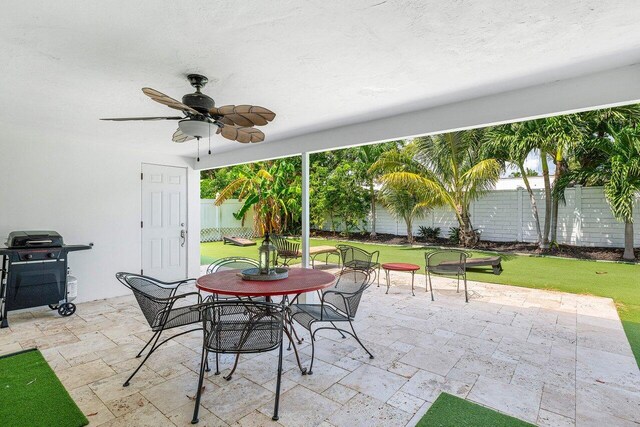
356,258
347,292
284,246
151,295
446,262
232,263
242,326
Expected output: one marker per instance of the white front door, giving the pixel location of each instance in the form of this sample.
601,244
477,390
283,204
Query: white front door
164,222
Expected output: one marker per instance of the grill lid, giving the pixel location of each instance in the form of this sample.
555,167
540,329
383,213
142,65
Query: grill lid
34,239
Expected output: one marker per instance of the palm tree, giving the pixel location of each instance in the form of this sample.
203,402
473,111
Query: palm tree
506,144
619,173
406,203
448,167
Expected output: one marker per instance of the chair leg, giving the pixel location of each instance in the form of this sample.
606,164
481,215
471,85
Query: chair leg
147,344
278,383
196,409
430,285
295,350
458,288
217,372
359,342
153,347
338,329
235,365
313,351
466,296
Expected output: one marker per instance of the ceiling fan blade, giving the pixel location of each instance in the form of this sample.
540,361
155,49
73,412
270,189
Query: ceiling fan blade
245,115
126,119
167,100
241,134
178,136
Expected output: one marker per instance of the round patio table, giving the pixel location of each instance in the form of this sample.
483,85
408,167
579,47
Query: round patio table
400,266
300,280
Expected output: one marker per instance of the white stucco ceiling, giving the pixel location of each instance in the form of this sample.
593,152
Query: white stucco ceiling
318,64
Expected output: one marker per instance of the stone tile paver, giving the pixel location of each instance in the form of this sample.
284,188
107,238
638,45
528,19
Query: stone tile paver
547,357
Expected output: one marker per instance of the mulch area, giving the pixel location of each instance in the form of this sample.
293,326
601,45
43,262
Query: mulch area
592,253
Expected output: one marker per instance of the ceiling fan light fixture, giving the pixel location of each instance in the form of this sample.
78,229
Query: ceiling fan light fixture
195,128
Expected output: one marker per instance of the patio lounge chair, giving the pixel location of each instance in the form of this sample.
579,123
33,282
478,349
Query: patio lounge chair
286,249
447,263
240,327
237,241
338,303
354,258
157,301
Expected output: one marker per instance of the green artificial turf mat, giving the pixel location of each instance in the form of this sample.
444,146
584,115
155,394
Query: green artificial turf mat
452,411
32,395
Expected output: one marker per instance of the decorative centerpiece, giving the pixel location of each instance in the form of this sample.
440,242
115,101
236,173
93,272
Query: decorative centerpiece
267,269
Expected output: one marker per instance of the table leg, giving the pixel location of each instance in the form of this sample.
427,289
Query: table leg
388,280
413,273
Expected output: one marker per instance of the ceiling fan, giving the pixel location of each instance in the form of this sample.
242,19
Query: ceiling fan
234,122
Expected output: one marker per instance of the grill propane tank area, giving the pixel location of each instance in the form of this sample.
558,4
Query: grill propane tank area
34,273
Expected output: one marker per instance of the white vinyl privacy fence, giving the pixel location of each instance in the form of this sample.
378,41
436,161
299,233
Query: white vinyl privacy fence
505,216
218,221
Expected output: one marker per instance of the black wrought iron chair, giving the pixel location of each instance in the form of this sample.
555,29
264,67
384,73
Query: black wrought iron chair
338,303
157,300
450,263
240,327
286,249
230,263
354,258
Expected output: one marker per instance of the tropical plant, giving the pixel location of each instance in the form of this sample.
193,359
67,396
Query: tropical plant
272,189
619,173
527,173
454,235
448,167
403,202
429,233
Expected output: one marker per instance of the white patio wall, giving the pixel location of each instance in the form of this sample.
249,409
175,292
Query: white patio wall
505,216
88,193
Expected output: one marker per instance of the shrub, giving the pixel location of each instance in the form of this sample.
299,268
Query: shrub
454,235
429,233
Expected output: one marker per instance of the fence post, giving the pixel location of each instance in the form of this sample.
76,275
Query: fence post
520,214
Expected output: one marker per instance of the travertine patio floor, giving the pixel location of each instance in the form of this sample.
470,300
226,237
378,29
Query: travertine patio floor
550,358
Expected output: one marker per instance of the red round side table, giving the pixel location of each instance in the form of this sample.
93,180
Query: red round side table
400,266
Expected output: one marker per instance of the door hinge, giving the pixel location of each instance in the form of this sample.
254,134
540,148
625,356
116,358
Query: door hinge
141,176
141,224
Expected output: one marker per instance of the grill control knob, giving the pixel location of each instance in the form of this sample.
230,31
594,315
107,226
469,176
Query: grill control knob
28,256
51,255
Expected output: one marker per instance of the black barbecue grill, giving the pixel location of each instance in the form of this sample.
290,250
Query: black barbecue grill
34,272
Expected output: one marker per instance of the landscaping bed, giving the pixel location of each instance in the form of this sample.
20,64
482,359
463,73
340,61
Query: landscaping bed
566,251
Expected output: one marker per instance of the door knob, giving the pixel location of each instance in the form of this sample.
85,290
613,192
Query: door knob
183,236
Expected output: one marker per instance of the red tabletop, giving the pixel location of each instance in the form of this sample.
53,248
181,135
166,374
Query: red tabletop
300,280
400,266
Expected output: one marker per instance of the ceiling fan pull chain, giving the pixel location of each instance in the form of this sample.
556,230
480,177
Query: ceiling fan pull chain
198,139
209,138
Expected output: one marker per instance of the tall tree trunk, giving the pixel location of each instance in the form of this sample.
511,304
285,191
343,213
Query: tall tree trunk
372,194
629,254
534,206
560,169
544,244
468,236
408,221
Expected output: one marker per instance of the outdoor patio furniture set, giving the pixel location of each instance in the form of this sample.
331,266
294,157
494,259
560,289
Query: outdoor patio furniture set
240,317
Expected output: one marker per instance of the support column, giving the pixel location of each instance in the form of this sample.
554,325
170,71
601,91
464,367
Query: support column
304,247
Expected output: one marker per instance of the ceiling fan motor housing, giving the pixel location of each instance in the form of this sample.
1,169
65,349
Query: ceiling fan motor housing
199,102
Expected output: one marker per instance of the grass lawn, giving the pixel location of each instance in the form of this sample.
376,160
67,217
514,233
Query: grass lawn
618,281
452,411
